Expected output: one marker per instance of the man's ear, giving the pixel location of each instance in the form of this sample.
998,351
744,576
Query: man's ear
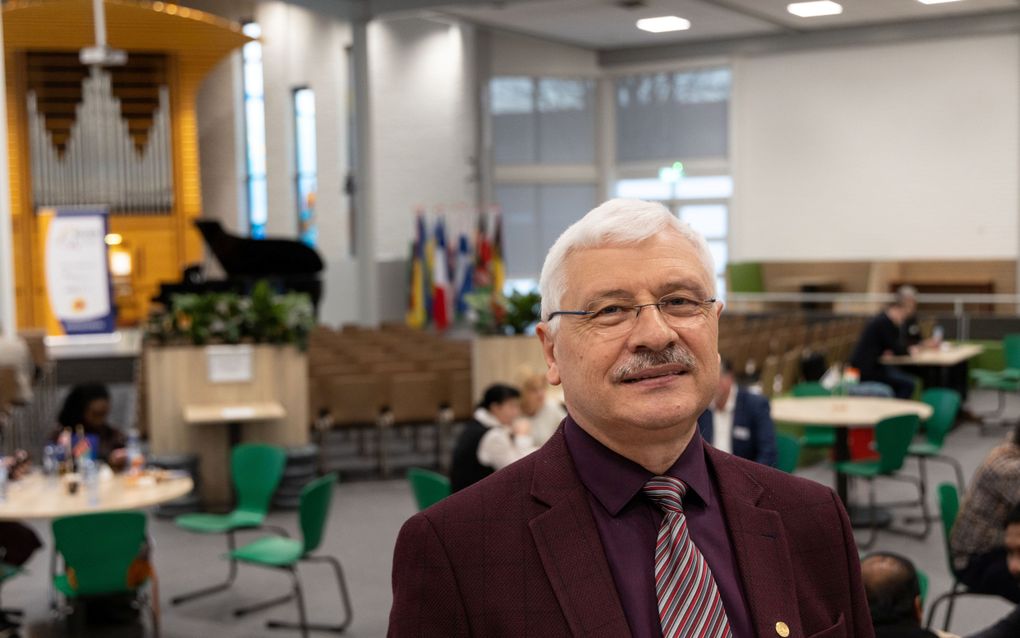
552,374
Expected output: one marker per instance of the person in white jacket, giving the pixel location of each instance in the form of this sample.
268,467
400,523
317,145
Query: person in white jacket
493,439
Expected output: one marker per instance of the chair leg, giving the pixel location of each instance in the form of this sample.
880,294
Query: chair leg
345,600
244,611
953,594
948,596
302,623
873,527
200,593
956,468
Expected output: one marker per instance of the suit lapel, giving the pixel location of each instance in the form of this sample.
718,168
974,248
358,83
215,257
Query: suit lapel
758,539
570,548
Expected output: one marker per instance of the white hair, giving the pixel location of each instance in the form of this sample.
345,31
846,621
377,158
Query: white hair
613,223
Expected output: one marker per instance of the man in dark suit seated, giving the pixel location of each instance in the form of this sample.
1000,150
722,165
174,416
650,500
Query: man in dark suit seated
738,421
625,523
882,336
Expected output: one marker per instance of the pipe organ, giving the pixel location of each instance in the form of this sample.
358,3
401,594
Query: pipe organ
98,161
123,137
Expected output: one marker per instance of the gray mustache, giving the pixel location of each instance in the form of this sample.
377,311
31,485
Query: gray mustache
645,359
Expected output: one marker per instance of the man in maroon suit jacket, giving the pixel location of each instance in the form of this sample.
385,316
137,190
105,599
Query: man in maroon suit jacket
562,543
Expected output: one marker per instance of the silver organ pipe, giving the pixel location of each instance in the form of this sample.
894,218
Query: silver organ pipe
101,164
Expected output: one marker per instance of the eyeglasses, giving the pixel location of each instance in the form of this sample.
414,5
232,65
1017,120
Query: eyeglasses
675,309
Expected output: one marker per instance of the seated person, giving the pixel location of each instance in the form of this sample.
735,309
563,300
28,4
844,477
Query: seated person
88,405
978,540
492,439
882,336
894,597
1008,627
738,421
14,353
543,412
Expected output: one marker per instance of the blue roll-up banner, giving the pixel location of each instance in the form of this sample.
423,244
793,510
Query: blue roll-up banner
78,282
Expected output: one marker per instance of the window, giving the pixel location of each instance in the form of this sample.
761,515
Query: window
543,149
306,174
667,115
255,133
542,120
533,217
701,201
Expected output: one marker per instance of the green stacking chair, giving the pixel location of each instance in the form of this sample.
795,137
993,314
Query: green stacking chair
277,552
256,470
949,507
787,452
892,438
815,436
945,405
1001,381
99,551
429,487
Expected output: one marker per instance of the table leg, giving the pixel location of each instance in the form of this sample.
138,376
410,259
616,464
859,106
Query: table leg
233,440
842,453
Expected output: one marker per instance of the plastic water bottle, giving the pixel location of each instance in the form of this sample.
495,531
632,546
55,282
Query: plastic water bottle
3,479
937,334
50,462
135,460
90,477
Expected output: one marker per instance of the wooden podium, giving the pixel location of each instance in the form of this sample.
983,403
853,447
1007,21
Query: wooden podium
201,399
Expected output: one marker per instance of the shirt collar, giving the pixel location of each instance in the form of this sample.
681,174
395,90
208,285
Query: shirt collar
486,418
615,480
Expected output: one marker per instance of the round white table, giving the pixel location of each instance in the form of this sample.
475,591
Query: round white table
843,413
39,497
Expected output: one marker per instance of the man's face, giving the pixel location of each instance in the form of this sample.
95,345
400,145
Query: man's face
615,381
1013,549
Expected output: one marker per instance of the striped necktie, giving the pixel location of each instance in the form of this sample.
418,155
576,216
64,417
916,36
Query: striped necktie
689,601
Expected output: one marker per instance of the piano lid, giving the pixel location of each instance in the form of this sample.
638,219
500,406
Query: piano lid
245,257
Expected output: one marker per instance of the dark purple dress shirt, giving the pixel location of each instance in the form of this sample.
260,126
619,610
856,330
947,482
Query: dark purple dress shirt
628,525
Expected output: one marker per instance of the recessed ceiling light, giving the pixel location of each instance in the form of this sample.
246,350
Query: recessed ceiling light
663,24
814,9
936,1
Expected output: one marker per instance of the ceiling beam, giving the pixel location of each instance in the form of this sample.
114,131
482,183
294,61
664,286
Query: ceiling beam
751,13
992,23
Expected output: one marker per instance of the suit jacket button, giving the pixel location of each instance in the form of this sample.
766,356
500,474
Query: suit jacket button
782,629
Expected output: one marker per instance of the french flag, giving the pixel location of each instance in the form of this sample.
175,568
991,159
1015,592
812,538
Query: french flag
441,297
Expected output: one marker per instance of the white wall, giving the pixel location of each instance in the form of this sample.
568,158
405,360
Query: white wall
423,125
301,47
907,151
516,54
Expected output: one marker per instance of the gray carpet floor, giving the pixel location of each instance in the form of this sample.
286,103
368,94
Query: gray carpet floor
364,521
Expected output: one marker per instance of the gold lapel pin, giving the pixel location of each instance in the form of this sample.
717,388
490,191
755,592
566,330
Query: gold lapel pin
782,629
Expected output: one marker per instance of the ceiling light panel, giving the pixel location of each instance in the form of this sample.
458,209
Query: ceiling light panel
662,24
815,8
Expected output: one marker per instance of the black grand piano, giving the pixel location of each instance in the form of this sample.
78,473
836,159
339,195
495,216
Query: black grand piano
288,265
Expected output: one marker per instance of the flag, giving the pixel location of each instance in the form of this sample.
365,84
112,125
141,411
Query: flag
441,297
465,276
416,316
483,253
497,266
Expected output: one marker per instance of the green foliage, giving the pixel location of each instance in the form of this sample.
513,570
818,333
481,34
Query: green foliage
262,317
498,315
